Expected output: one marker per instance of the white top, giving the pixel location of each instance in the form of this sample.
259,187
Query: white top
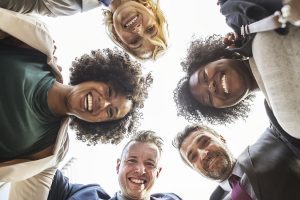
276,68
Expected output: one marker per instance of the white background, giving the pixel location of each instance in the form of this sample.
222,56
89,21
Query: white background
187,19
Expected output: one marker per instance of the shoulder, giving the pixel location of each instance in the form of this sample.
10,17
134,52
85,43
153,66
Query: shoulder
165,196
217,194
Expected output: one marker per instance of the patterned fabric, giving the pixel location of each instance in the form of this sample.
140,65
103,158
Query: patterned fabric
238,192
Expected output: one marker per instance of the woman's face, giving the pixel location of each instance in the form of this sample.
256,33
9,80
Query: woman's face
95,101
135,24
220,84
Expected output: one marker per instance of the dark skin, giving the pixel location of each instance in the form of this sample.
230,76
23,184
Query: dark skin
222,83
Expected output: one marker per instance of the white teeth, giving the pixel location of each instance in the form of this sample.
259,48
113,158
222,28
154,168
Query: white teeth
139,181
131,21
85,103
224,85
89,102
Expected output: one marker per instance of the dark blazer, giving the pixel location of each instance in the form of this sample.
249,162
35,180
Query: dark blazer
243,12
271,166
61,189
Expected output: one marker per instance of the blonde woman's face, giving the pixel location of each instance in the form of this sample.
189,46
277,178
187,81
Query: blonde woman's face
135,25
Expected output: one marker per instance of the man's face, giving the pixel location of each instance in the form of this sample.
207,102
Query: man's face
207,154
138,169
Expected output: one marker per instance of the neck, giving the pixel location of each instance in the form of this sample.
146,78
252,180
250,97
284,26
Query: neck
123,197
56,98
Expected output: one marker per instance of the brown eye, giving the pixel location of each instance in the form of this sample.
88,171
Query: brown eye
150,29
109,92
110,112
204,143
205,77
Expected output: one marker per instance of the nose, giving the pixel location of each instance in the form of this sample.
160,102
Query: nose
140,168
202,153
212,86
138,29
105,103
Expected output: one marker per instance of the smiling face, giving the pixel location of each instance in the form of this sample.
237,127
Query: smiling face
134,25
222,83
207,154
94,101
138,169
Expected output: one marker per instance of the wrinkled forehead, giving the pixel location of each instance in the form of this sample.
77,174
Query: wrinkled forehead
190,140
141,150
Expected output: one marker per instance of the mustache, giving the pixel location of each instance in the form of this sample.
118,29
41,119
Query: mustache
209,157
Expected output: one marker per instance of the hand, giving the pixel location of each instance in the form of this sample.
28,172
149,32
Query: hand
291,11
232,40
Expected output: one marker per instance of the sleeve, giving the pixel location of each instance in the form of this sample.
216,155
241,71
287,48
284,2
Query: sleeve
36,187
62,189
243,12
51,8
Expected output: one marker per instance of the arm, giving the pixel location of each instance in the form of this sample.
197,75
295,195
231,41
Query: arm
36,187
52,8
243,12
62,189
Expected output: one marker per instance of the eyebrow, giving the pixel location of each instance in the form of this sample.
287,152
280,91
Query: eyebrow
137,46
117,112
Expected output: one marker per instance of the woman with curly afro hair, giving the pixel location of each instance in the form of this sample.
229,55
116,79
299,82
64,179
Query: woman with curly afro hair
102,102
123,78
218,86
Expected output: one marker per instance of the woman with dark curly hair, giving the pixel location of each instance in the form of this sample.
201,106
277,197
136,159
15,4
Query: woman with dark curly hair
106,92
218,85
123,78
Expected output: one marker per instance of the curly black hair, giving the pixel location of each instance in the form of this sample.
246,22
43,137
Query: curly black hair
200,53
115,67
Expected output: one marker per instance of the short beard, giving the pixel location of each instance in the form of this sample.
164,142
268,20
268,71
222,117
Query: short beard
226,162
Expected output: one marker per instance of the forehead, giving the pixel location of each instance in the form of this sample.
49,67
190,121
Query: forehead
141,150
192,138
145,50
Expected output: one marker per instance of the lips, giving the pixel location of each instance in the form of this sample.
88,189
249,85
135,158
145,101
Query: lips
210,160
224,83
137,181
88,102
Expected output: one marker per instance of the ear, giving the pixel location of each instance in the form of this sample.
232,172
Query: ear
118,165
222,139
158,172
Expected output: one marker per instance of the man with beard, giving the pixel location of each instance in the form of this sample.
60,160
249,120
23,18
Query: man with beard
268,169
137,169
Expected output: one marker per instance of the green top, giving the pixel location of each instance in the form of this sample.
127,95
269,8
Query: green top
26,123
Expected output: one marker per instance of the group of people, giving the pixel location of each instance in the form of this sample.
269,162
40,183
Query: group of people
104,98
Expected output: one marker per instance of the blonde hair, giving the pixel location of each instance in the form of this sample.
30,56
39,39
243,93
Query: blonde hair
159,41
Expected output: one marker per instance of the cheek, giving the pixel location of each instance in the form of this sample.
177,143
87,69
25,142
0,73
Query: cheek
122,35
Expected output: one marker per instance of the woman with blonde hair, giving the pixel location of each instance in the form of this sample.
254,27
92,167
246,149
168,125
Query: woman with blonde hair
137,26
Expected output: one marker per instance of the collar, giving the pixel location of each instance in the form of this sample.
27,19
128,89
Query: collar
236,171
